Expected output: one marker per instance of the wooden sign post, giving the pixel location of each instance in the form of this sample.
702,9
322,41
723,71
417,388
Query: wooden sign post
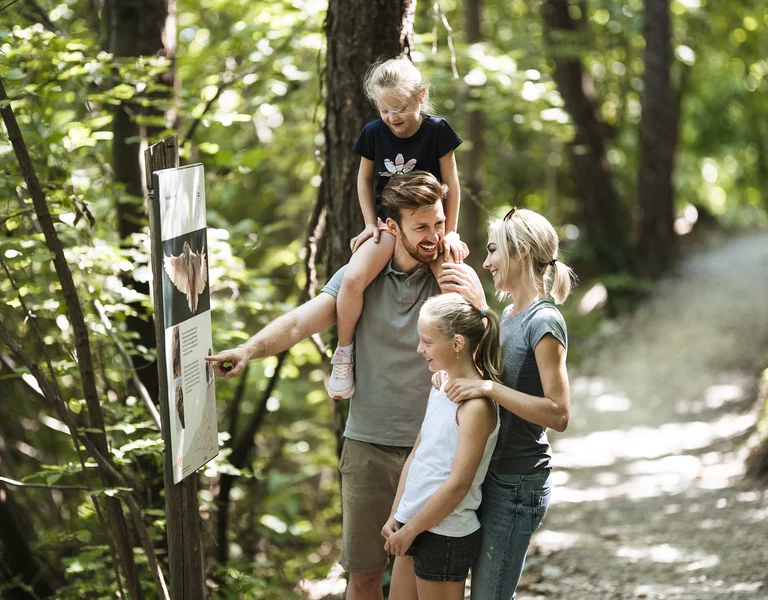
181,508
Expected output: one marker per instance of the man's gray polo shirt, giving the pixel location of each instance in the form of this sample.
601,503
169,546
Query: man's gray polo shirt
392,381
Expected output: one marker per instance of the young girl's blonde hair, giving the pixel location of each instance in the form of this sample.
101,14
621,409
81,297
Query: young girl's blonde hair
454,315
397,76
525,230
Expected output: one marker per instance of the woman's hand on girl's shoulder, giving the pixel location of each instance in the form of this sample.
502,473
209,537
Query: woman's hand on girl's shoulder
462,389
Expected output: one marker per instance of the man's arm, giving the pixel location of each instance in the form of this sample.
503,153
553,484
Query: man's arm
286,330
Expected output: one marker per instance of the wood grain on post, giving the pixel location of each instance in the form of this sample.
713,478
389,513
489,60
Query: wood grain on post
185,562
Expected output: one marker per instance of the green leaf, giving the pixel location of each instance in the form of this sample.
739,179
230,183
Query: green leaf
84,536
123,91
75,406
208,147
14,74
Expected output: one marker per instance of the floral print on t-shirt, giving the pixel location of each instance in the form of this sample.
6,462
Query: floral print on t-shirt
398,167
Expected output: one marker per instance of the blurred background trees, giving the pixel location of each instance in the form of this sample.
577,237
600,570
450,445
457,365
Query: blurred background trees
629,124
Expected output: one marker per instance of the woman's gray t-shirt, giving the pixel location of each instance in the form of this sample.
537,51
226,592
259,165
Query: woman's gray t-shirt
523,447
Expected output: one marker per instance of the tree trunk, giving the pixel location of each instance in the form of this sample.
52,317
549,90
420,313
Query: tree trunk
359,32
474,178
137,28
605,219
658,138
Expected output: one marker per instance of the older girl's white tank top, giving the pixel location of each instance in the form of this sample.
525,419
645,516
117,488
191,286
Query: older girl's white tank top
431,467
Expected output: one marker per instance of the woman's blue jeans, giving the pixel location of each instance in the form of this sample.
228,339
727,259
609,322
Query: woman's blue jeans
510,512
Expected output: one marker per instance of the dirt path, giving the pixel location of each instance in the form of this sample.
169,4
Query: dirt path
649,500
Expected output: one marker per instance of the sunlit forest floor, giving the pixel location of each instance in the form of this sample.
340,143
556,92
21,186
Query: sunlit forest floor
649,497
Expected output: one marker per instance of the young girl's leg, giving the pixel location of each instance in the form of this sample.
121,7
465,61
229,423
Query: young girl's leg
439,590
362,269
403,585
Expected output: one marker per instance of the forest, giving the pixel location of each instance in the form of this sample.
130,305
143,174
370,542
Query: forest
638,127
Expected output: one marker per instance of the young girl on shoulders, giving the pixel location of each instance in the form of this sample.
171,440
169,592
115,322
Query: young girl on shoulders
401,139
434,531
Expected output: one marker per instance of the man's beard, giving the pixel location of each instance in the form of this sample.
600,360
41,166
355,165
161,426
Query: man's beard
417,254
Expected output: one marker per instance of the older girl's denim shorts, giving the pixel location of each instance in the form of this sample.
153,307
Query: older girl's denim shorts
442,558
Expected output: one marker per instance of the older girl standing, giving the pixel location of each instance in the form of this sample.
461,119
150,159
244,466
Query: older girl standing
433,529
534,395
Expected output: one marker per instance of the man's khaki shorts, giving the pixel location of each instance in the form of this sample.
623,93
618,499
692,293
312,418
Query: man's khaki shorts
369,478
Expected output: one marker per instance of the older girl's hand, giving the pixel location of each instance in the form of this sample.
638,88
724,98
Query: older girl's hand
390,527
463,389
399,542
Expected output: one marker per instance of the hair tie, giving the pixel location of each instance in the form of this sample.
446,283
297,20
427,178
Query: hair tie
482,313
553,261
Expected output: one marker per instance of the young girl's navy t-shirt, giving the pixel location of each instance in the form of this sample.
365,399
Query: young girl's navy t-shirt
391,155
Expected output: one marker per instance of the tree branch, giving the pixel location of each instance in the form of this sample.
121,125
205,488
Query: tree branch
52,395
13,482
82,344
33,323
45,20
105,467
240,453
134,378
234,79
234,412
146,543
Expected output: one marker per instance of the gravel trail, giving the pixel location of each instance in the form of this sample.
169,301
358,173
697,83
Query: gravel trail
649,498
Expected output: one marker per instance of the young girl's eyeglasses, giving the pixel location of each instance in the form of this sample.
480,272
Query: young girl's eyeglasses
512,213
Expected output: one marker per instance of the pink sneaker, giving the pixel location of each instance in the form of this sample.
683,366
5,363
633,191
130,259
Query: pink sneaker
341,385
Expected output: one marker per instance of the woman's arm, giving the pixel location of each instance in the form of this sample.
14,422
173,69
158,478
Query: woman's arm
552,410
450,176
477,422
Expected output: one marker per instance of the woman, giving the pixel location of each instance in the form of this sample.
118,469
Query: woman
534,395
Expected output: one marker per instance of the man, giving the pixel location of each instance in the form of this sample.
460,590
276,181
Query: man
392,383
